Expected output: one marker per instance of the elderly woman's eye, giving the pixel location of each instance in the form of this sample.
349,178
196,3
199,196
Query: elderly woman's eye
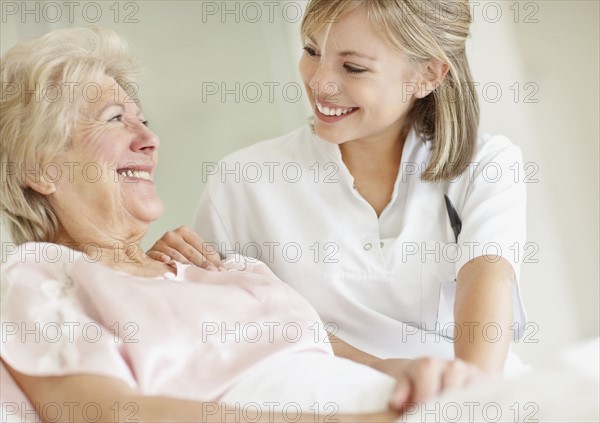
117,118
145,122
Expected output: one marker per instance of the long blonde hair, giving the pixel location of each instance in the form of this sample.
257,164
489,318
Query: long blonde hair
38,109
424,30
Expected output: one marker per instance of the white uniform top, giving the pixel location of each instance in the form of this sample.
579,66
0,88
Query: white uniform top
386,284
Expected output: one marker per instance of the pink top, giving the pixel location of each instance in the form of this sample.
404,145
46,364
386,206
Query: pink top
191,336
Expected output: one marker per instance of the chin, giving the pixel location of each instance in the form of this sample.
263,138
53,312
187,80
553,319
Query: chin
331,136
150,211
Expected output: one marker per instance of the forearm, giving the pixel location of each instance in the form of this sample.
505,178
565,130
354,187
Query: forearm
168,410
84,398
483,313
163,410
345,350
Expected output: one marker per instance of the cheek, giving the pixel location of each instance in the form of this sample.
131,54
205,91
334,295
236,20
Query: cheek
395,96
105,147
366,94
307,69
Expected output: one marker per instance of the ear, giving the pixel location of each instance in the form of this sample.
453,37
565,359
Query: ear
39,183
433,73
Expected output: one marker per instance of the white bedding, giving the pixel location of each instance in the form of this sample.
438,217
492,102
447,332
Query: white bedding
298,383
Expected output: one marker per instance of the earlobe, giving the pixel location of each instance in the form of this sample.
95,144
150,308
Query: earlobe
424,90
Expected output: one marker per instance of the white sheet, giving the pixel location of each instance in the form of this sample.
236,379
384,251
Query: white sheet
314,382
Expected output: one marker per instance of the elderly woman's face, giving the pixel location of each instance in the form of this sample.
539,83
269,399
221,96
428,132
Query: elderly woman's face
109,169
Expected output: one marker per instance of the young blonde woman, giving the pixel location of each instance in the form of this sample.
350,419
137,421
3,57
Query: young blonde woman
390,213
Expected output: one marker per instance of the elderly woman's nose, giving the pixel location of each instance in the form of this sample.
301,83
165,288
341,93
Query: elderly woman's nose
145,140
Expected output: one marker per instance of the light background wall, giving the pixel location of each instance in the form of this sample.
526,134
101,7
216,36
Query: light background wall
542,55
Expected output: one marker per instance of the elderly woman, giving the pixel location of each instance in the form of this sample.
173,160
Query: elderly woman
88,318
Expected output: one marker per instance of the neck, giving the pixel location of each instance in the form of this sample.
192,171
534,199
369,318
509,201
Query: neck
379,153
121,254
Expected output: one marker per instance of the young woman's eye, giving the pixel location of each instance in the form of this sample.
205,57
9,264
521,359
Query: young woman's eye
117,118
310,51
354,69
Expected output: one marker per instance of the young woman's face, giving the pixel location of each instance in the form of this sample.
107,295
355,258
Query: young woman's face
359,86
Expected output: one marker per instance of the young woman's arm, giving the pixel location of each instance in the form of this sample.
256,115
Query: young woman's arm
483,311
417,380
82,398
345,350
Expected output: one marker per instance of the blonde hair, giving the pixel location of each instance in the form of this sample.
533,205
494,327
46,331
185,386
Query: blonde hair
424,30
38,110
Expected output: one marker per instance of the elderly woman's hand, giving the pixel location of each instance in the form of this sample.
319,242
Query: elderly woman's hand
186,246
421,379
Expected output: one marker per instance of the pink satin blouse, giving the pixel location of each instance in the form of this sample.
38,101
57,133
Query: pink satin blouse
193,335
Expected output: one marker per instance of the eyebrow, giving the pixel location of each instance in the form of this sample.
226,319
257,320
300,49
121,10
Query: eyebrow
111,104
120,105
347,52
357,54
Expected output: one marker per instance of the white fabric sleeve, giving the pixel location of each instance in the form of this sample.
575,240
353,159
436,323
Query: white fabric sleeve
208,221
